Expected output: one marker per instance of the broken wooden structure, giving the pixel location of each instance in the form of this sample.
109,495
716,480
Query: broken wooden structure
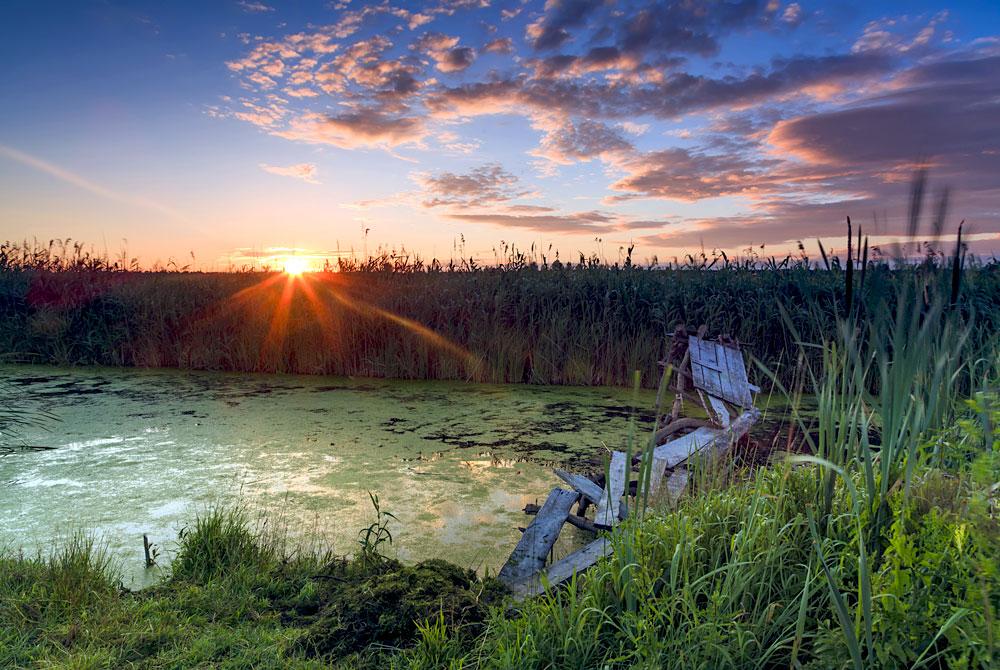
711,374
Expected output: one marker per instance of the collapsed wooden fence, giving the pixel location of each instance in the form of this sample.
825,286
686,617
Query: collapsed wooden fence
711,374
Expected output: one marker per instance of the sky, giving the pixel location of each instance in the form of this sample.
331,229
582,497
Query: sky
226,133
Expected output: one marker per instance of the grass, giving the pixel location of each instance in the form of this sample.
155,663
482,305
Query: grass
236,596
731,579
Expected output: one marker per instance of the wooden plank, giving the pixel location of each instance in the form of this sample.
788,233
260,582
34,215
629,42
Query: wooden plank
656,474
720,371
562,569
707,440
532,549
608,505
720,410
676,483
580,522
738,375
584,486
679,450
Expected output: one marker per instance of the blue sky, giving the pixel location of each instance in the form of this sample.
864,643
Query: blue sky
234,129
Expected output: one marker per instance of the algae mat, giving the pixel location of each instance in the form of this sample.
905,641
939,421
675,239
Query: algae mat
131,452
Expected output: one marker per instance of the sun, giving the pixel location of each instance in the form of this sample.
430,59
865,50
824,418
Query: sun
295,265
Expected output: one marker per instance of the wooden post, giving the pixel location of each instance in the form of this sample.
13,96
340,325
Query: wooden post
150,561
610,503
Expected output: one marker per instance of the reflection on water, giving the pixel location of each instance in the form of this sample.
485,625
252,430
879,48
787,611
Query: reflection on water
142,451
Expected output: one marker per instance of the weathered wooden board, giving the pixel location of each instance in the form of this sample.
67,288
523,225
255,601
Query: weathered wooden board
608,506
679,450
580,522
708,440
721,412
562,569
531,551
719,370
586,487
676,483
656,474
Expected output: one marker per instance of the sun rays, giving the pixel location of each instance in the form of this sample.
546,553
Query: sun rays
299,298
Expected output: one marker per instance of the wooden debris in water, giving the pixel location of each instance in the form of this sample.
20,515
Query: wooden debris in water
720,410
656,472
676,483
562,569
584,486
581,522
719,376
537,540
679,450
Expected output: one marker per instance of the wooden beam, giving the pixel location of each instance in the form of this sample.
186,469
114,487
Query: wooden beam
580,522
532,549
679,450
706,440
562,569
584,486
608,507
720,410
655,474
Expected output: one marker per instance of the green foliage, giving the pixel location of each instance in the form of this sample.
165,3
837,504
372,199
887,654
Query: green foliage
221,542
376,534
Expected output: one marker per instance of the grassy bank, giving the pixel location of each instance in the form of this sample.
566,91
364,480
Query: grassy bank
578,324
734,578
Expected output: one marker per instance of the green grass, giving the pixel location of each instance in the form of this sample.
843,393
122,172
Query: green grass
731,579
236,596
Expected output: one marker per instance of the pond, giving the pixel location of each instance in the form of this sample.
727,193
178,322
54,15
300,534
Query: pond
133,452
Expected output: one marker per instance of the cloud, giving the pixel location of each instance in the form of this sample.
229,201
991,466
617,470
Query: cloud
899,35
686,27
945,117
363,127
574,223
680,174
254,7
552,222
552,30
638,87
676,95
445,51
500,45
486,185
304,171
792,14
583,140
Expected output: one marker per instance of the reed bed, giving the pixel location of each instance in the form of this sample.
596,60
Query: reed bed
524,320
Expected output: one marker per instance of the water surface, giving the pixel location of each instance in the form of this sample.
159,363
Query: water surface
134,451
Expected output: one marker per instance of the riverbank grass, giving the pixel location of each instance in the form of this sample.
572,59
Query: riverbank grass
733,578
